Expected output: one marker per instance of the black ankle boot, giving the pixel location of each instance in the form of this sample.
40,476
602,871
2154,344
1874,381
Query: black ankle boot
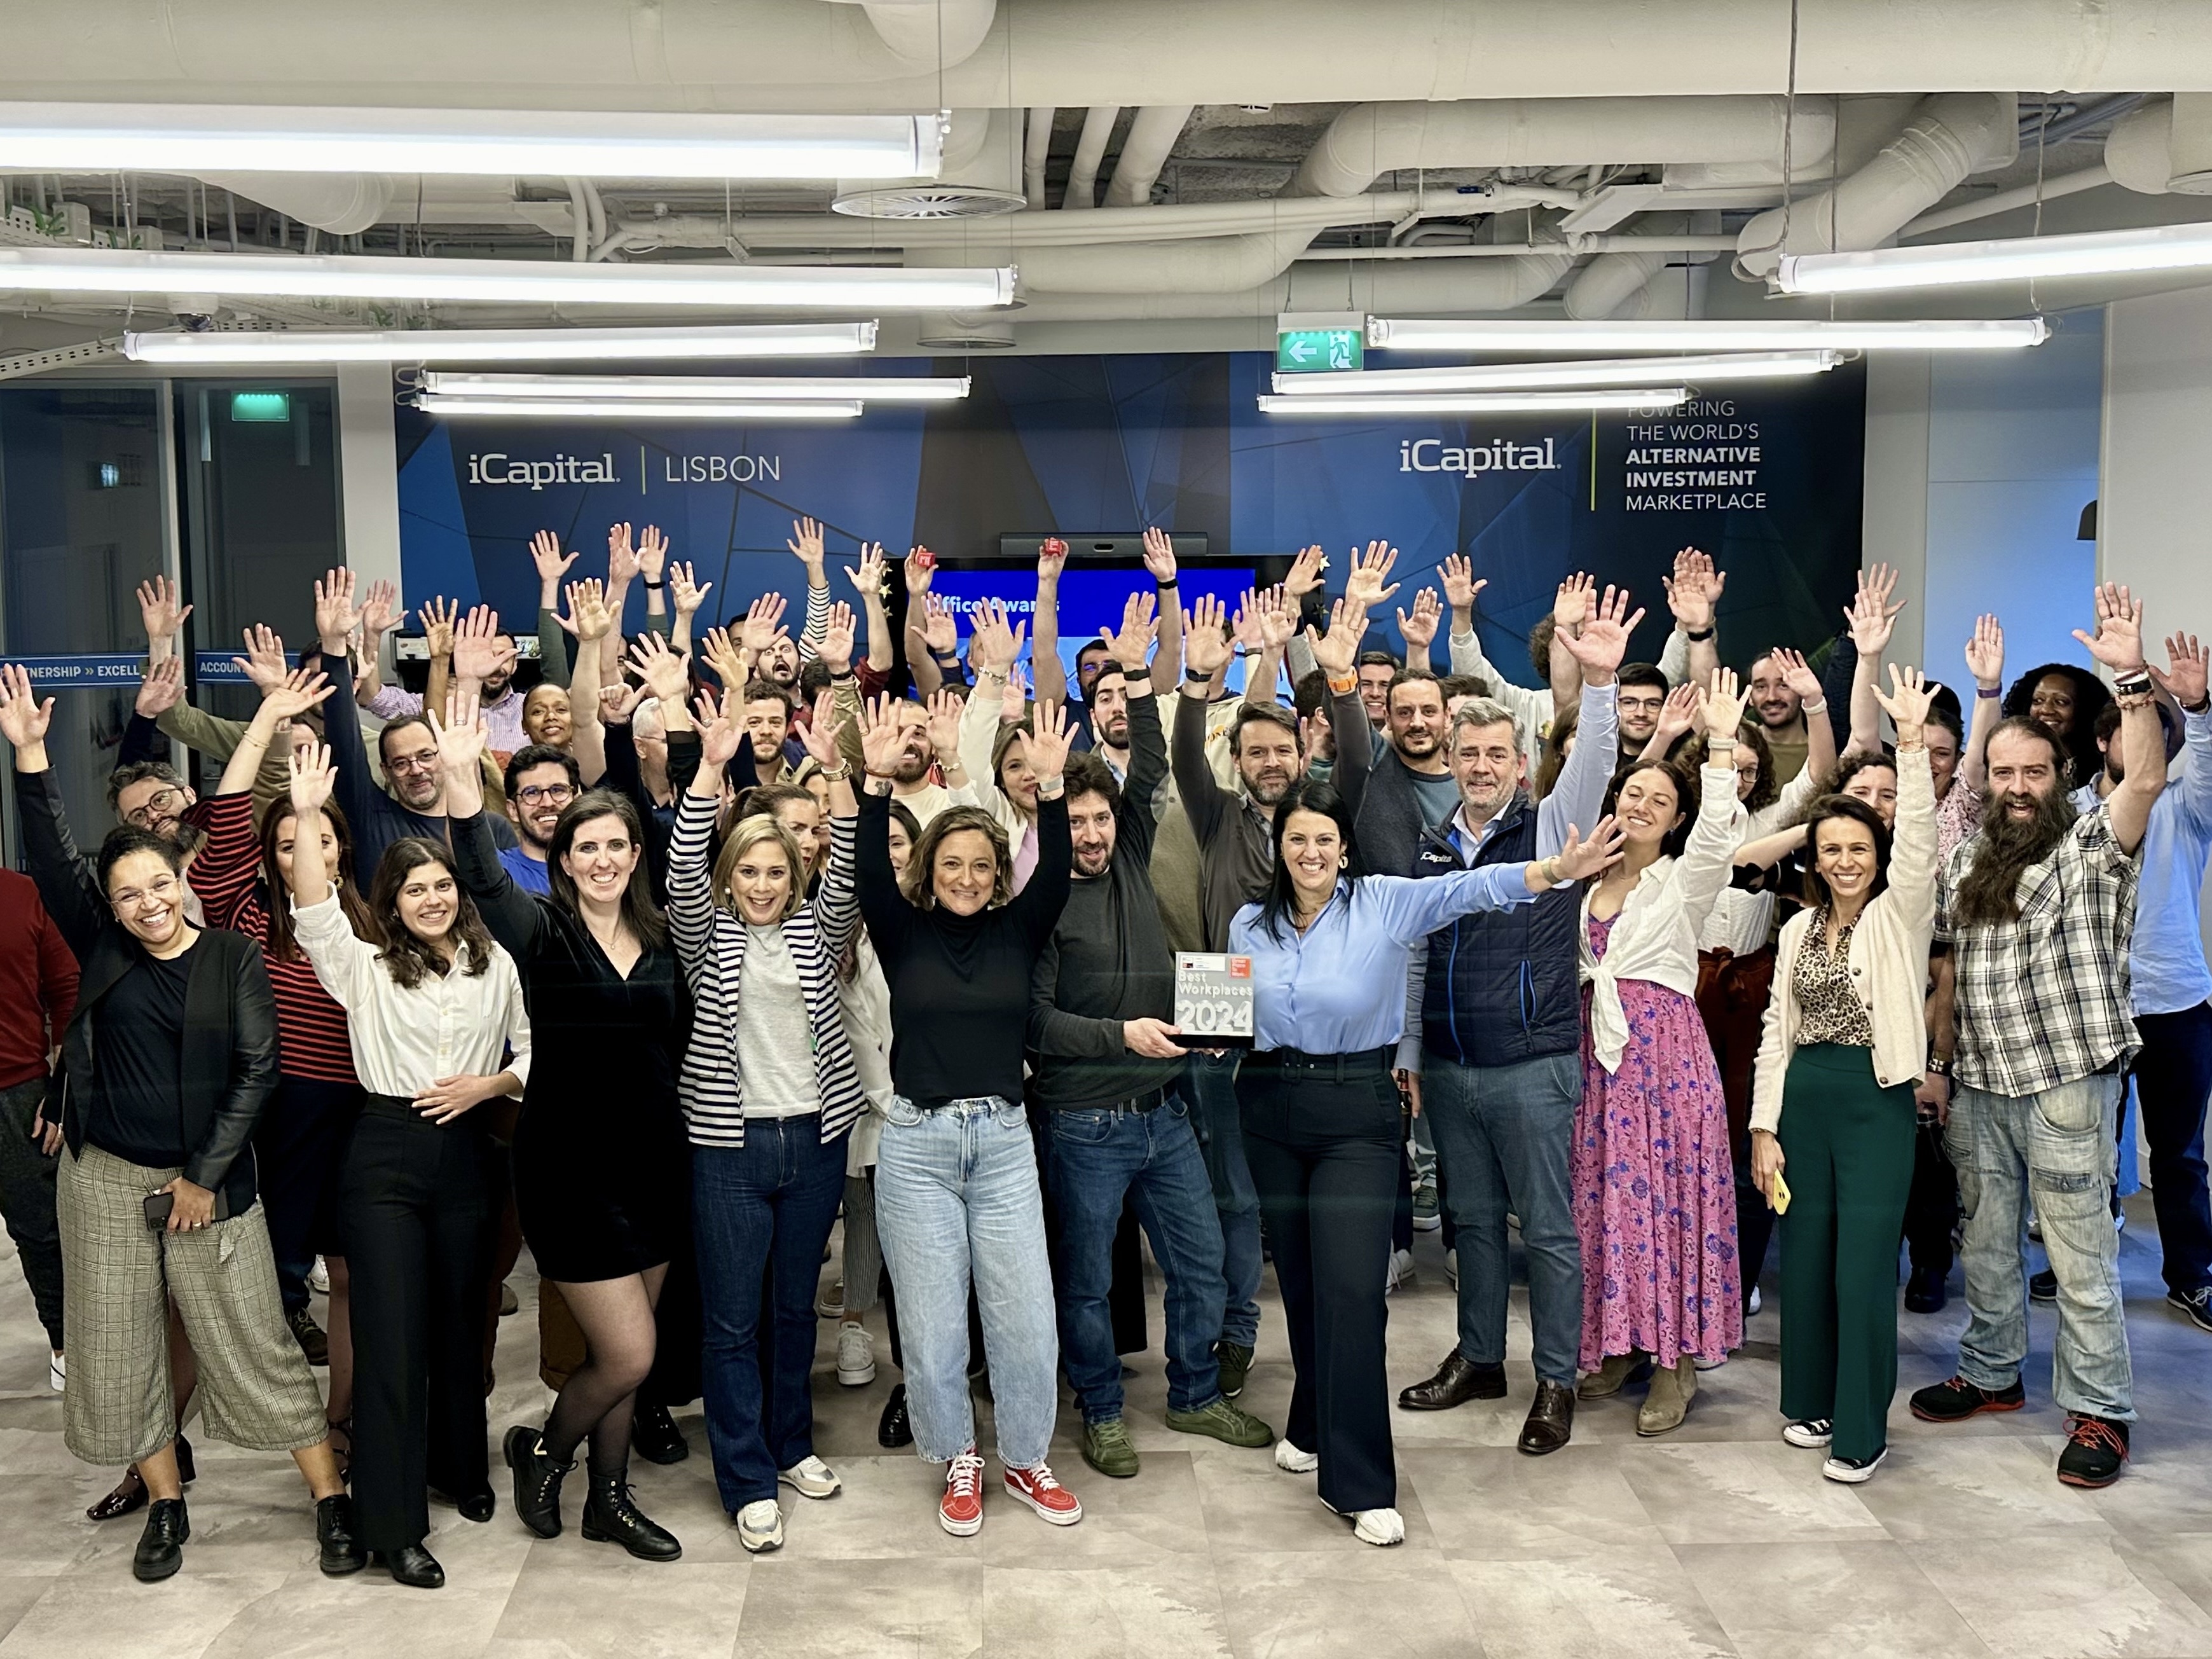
413,1566
161,1546
611,1516
340,1550
537,1480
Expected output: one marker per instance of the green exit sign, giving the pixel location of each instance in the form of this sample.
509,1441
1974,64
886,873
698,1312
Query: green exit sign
260,406
1319,351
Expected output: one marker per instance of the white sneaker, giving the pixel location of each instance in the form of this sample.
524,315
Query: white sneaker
1402,1269
1451,1267
319,1278
1757,1301
856,1356
809,1477
58,1372
1291,1461
1810,1433
1380,1527
760,1526
1854,1471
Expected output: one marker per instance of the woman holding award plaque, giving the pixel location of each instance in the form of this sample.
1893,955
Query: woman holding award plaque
1319,1111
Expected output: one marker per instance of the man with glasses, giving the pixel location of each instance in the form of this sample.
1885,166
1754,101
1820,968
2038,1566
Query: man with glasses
541,782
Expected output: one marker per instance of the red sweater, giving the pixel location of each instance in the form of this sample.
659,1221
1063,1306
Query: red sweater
38,981
226,877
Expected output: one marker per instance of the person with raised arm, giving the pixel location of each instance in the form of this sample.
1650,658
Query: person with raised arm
166,1063
957,1198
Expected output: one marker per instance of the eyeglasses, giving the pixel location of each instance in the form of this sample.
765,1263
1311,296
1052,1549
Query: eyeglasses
560,794
162,889
427,761
161,804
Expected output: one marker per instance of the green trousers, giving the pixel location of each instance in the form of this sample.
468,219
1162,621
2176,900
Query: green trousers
1847,1147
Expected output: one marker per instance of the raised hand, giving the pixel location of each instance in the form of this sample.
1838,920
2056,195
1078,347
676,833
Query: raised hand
940,629
1580,860
295,694
335,615
1244,624
1306,573
836,646
2117,642
1723,705
158,608
1693,591
263,664
461,736
992,645
763,624
943,710
685,595
1049,739
883,745
1014,700
805,545
820,734
162,689
1602,640
1370,571
652,552
312,777
920,570
438,618
1906,703
1159,557
1986,653
479,648
1570,605
721,727
1420,629
1677,715
1798,675
2186,663
379,614
871,577
1206,646
621,557
1870,617
665,672
588,618
1279,621
1337,650
722,655
1132,642
1052,559
1460,585
552,564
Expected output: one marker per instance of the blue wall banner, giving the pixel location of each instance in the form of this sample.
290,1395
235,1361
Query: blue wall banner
83,671
1766,479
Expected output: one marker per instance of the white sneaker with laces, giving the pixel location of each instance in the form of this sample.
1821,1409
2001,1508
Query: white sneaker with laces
1379,1527
1810,1433
809,1477
319,1277
58,1372
856,1356
1451,1267
1854,1471
760,1526
1291,1461
1755,1303
1402,1269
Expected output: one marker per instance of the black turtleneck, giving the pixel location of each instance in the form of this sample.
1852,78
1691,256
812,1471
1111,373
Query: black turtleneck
960,985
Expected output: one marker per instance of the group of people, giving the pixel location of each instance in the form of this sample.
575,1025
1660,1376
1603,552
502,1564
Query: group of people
702,942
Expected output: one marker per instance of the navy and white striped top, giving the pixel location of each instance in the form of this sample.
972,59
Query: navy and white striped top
710,940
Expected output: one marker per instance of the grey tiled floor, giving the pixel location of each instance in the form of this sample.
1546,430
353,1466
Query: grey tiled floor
1715,1541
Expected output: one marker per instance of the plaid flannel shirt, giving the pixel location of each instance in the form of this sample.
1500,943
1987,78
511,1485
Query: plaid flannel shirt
2045,1000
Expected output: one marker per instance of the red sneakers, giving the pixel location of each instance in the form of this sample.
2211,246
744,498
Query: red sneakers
961,1512
1036,1487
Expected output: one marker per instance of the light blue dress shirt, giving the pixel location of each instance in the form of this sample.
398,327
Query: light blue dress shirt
2166,963
1340,987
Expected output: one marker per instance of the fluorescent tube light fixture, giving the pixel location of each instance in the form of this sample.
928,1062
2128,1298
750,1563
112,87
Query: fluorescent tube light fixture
1525,377
626,143
669,388
1952,264
1472,403
1760,333
628,409
500,345
357,276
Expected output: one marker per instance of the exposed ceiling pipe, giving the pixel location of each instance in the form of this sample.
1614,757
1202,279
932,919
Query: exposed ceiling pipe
1608,283
340,203
2004,201
583,211
930,33
1212,264
1435,289
1363,143
1951,136
2139,149
1089,151
1036,149
1152,134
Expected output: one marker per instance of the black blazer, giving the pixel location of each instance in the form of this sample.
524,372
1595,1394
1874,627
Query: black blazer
230,1012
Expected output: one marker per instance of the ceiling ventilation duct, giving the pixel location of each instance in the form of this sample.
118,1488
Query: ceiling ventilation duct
340,203
945,330
1619,284
931,33
2163,146
980,177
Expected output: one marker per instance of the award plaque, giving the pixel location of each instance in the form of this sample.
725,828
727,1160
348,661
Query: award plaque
1213,999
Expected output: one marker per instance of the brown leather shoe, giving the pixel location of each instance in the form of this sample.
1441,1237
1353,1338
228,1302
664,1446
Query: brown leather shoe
1551,1419
1457,1380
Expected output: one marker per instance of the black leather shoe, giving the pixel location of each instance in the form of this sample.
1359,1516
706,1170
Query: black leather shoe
537,1480
477,1506
1924,1291
611,1516
894,1428
341,1552
413,1566
161,1546
1457,1380
130,1494
654,1437
1551,1420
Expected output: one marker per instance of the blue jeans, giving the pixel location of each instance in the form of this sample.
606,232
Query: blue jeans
1213,1078
1503,1133
761,1213
957,1196
1098,1156
2059,1144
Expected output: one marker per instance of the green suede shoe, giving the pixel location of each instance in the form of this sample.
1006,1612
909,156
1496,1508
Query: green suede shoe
1232,1425
1106,1447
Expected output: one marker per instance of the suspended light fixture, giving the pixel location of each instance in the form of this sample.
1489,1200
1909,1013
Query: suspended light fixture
1952,264
356,276
627,409
500,345
1511,377
1473,402
562,143
669,388
1445,334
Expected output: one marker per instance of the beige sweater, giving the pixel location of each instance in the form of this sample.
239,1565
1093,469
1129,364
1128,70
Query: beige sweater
1888,957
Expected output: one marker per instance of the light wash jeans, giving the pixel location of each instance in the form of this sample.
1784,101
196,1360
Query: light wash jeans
957,1194
2059,1145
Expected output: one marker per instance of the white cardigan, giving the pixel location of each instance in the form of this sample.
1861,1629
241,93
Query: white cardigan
1888,957
1654,937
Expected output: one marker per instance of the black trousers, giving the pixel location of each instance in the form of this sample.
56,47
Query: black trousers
1931,1207
2174,1077
416,1202
298,1145
1323,1142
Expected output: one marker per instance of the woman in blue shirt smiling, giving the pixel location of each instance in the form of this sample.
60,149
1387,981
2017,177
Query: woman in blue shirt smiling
1319,1110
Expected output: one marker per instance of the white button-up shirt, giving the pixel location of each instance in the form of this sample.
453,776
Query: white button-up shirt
404,1041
